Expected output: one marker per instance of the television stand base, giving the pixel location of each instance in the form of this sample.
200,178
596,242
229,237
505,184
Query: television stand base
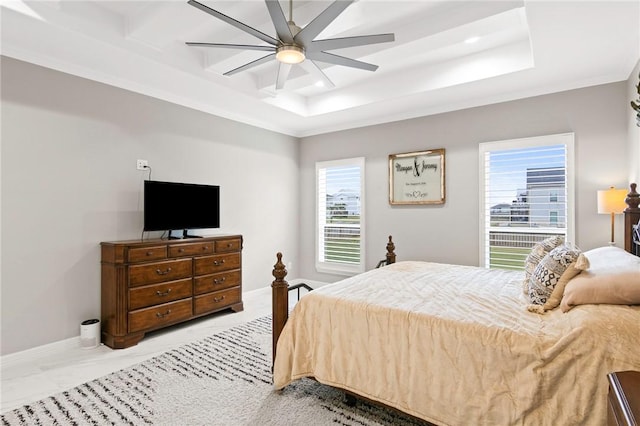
185,234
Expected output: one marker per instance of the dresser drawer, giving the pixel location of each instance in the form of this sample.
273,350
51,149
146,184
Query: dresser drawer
155,294
145,254
215,282
157,272
160,315
218,300
217,263
191,249
231,244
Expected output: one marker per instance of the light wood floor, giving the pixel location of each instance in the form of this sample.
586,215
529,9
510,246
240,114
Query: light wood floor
35,374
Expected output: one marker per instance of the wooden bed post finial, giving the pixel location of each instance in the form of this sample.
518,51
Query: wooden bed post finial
391,255
279,302
279,270
633,198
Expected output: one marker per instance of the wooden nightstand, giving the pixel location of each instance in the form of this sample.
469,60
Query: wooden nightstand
624,398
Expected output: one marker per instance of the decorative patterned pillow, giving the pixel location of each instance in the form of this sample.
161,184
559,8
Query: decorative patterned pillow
581,264
547,274
538,252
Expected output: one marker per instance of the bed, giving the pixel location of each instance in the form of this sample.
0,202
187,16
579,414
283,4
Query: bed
457,345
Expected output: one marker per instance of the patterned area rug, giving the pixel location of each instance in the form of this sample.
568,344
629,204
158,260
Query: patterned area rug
224,379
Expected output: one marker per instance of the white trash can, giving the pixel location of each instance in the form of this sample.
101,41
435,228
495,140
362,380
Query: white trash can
90,333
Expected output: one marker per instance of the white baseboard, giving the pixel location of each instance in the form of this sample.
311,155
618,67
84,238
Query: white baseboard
38,352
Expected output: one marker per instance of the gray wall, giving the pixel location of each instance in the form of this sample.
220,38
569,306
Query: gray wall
449,233
69,148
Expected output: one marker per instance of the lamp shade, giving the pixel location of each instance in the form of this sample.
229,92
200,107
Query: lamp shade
611,201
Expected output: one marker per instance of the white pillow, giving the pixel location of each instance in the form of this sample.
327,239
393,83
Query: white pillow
610,258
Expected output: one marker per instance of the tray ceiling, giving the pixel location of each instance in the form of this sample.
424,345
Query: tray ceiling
447,55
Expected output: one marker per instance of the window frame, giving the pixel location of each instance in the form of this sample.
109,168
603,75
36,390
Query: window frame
567,139
346,269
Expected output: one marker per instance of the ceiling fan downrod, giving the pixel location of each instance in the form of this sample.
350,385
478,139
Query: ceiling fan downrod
292,25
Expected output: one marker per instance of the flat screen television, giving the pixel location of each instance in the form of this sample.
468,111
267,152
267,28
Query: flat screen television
180,206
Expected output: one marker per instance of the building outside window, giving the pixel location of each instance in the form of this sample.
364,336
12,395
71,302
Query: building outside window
526,195
340,216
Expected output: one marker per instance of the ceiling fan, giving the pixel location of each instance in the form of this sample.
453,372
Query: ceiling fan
295,45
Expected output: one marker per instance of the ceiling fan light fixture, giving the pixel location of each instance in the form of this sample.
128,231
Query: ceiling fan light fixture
290,54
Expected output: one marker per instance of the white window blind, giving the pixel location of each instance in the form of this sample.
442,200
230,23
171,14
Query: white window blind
526,188
340,216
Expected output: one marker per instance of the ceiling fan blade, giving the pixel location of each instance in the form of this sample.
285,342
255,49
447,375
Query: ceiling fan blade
341,43
340,60
313,68
251,64
279,21
232,46
247,29
283,74
320,22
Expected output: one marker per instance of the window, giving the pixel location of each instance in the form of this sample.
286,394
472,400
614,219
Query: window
526,195
340,216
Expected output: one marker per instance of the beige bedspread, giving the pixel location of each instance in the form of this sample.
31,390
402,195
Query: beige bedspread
455,345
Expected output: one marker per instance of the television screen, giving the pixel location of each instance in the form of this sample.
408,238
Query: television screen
173,205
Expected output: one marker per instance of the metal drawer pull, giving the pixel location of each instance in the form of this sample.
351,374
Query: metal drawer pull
180,250
218,262
163,293
230,245
159,272
149,253
218,299
219,281
205,248
159,315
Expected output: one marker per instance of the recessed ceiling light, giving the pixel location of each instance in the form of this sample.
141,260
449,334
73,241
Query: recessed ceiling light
472,40
320,83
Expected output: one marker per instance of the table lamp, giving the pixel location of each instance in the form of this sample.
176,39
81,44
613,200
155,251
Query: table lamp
611,201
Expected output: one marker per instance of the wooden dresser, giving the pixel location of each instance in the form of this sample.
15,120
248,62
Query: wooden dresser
624,398
148,285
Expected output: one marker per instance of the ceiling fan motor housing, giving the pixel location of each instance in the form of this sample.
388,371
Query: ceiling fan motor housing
293,28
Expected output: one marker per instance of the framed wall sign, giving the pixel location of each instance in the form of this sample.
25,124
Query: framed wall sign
417,177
